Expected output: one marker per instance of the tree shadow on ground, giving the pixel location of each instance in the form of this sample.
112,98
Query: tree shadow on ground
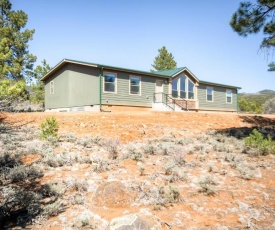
264,125
22,198
259,120
10,127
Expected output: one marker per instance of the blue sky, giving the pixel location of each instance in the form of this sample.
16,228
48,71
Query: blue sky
128,33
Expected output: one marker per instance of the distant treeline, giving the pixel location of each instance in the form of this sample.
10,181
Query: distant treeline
254,103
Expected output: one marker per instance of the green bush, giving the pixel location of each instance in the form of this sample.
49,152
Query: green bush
263,145
49,128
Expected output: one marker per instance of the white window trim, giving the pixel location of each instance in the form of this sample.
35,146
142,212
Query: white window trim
133,76
103,85
230,96
212,93
52,87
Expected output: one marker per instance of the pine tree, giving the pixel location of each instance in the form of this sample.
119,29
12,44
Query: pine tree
16,63
250,18
38,89
164,60
271,66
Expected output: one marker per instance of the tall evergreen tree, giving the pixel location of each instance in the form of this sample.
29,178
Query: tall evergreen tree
164,60
40,71
250,18
271,66
16,62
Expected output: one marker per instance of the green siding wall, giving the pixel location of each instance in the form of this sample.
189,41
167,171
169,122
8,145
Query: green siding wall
74,85
123,97
83,86
219,101
60,98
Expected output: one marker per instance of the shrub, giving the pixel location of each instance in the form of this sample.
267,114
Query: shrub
168,167
112,146
83,221
269,106
134,153
53,209
179,156
207,186
22,172
101,165
49,128
48,190
263,145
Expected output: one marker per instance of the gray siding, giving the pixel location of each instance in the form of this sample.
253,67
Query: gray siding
74,85
219,100
123,97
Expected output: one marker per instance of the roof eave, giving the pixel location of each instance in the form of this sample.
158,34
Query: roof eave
62,63
217,84
186,69
132,71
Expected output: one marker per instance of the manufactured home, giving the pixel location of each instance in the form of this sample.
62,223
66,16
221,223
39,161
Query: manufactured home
82,86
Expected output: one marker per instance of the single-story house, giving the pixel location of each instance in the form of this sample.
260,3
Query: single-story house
82,86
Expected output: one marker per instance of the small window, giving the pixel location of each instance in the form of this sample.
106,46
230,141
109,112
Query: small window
135,85
209,93
228,96
51,87
190,90
110,82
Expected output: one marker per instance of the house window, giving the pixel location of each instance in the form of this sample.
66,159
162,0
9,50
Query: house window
175,87
110,82
228,96
190,89
209,93
182,87
52,87
135,85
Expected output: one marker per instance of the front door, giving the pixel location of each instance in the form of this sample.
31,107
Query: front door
159,90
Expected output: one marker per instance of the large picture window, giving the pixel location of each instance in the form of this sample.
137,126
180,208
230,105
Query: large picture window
110,82
190,89
209,93
175,87
135,85
228,96
183,87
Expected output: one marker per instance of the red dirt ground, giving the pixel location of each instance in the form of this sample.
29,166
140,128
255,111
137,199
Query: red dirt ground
139,125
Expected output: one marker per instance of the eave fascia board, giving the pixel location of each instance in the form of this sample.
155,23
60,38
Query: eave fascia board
64,61
221,85
187,70
139,72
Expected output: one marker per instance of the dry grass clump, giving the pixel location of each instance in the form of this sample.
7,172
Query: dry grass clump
100,165
207,185
112,145
158,195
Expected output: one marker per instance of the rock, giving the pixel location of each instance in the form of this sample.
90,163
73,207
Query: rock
114,194
134,221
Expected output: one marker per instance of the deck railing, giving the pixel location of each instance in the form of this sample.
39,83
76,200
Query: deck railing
170,101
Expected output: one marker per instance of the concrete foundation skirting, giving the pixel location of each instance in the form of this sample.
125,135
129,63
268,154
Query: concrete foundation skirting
88,108
161,107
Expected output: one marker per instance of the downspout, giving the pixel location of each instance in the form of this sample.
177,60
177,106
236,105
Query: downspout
100,91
